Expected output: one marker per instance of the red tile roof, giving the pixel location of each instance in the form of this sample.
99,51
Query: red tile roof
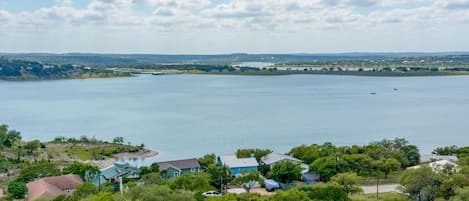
51,187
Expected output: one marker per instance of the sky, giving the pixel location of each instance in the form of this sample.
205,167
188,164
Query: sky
233,26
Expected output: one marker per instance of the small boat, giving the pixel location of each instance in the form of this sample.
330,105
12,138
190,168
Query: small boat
158,73
395,89
373,93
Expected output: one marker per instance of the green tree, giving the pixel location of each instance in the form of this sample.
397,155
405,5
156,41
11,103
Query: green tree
390,165
285,172
325,192
349,181
8,137
158,193
264,169
152,178
103,196
307,154
326,167
290,195
248,180
191,182
257,153
461,194
17,190
84,190
38,170
220,176
421,184
118,140
207,160
451,183
81,169
154,168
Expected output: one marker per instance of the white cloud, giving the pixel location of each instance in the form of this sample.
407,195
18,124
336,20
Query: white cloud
257,17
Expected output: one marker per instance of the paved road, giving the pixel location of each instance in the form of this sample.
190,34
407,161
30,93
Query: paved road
382,188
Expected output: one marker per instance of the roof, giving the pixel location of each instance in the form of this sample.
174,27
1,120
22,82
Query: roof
276,157
432,158
438,166
180,164
117,170
51,187
233,162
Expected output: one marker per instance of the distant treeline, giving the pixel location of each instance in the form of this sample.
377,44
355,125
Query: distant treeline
133,60
24,70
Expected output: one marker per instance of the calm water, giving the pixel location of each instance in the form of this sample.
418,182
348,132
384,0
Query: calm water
189,115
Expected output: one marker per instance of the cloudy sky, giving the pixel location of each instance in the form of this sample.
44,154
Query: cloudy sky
232,26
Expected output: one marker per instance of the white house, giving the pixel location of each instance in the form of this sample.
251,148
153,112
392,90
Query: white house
438,166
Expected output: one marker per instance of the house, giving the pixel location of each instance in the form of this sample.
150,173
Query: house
439,166
51,187
238,165
116,171
171,169
433,158
273,158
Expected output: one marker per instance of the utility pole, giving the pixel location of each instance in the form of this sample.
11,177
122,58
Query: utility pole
377,187
221,184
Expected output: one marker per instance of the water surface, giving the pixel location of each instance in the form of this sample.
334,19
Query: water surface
189,115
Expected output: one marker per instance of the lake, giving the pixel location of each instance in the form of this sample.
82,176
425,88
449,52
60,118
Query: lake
189,115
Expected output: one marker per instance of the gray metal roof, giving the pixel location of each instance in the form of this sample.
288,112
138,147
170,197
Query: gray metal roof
232,161
276,157
180,164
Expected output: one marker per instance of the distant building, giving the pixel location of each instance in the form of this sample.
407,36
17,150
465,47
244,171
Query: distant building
175,168
432,158
439,166
51,187
238,165
116,171
273,158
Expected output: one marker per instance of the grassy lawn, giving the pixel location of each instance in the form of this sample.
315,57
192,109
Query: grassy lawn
393,178
382,197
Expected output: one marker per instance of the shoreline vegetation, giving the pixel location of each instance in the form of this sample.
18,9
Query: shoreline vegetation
20,67
16,153
338,73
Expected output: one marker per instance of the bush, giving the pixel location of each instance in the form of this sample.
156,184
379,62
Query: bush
17,190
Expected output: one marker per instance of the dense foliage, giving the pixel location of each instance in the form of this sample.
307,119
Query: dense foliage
20,69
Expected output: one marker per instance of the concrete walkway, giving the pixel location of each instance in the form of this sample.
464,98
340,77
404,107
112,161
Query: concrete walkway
382,189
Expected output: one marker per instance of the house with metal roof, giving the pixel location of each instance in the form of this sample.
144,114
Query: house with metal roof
273,158
238,165
116,171
171,169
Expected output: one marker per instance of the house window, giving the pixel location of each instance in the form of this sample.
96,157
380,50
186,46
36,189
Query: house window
176,174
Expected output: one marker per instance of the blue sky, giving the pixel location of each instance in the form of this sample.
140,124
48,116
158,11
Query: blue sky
227,26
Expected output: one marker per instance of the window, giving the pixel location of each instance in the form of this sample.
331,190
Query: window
176,174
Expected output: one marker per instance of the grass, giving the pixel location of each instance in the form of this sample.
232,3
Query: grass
393,178
98,151
382,197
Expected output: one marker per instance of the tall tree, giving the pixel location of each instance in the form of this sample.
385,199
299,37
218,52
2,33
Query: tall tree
285,172
248,180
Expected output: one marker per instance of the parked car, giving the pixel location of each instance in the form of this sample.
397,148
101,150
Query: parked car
211,194
271,185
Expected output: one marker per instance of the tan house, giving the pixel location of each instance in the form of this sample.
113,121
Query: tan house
51,187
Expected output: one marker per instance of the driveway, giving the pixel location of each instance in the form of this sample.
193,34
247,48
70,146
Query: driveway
382,188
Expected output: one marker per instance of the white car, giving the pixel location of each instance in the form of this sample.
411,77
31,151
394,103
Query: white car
211,194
